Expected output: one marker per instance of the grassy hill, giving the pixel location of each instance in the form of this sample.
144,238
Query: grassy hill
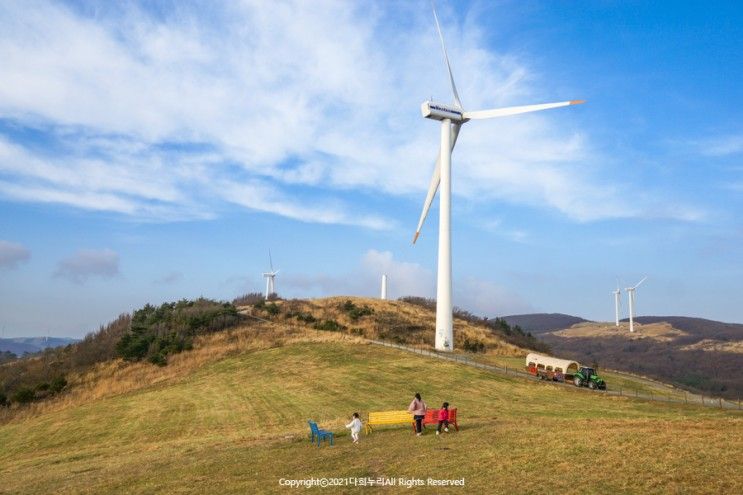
696,354
230,417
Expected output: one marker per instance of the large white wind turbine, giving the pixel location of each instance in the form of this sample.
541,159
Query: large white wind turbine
631,297
270,278
452,117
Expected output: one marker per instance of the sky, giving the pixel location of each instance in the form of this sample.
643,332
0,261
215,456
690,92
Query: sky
153,151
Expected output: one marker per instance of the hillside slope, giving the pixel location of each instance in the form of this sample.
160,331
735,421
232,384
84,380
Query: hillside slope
700,357
230,417
699,327
395,321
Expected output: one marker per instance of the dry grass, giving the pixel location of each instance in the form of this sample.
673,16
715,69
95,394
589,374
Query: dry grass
415,324
710,345
662,332
230,417
119,377
237,424
395,320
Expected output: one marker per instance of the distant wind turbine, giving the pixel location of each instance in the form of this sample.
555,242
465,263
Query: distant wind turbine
617,303
270,277
631,296
452,117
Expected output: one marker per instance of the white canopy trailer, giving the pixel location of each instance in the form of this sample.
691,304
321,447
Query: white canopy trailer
539,362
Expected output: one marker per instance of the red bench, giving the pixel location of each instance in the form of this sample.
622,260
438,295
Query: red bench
432,418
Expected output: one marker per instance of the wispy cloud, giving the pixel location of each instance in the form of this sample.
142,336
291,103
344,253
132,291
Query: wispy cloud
13,254
497,226
86,264
404,279
407,279
719,146
170,278
170,115
488,299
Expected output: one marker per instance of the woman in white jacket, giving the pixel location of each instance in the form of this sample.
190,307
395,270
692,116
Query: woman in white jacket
355,426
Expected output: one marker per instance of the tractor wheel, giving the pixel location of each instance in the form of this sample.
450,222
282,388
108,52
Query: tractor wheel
592,385
578,382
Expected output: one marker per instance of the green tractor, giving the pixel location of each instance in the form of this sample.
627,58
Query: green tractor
587,377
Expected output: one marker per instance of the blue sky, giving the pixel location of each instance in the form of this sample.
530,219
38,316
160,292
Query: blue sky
155,151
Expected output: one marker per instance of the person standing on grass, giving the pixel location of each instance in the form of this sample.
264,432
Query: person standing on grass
418,408
443,418
355,426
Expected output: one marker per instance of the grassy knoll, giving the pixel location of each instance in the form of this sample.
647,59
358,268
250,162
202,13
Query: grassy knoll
237,424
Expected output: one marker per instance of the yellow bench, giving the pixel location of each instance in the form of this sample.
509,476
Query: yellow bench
380,418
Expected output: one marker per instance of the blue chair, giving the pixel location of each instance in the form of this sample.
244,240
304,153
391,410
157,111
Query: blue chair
320,434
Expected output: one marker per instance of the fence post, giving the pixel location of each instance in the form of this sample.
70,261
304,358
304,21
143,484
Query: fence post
720,402
506,369
637,394
620,391
686,399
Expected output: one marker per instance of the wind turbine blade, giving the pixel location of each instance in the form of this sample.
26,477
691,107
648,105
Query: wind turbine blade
638,283
504,112
434,185
270,261
457,101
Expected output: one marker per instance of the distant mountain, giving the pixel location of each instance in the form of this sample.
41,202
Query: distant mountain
703,355
21,345
538,323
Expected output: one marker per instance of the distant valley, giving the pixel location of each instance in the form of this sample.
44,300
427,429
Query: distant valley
22,345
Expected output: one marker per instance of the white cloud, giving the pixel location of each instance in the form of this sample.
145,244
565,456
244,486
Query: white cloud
721,145
12,254
166,115
261,196
406,279
403,278
488,299
170,278
86,264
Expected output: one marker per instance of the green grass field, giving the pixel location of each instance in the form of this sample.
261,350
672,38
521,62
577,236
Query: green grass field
238,425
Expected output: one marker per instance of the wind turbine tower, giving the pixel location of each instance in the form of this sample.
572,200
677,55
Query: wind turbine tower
452,117
631,297
617,303
384,288
270,277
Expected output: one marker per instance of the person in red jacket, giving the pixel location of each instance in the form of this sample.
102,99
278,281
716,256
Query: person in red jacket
443,418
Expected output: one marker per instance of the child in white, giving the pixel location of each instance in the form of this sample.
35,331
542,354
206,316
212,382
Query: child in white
355,426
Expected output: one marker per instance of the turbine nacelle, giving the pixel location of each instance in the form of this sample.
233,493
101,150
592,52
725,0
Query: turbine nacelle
438,111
